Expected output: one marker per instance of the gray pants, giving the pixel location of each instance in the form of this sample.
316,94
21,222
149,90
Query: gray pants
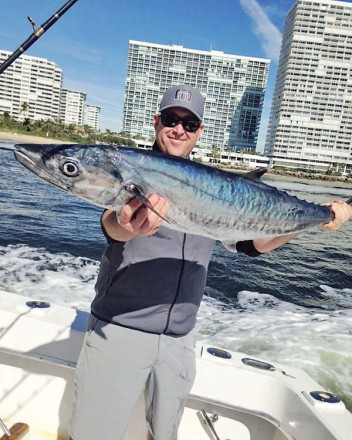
115,366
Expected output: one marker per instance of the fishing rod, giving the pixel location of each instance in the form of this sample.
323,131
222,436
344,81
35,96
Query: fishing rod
38,32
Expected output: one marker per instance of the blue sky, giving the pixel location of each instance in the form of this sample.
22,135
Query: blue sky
90,42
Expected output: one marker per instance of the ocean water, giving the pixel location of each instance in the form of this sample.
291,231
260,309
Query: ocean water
293,305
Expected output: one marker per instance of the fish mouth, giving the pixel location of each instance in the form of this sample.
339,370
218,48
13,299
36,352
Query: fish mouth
24,159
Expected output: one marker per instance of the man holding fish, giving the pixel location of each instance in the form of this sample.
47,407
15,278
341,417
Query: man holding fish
149,288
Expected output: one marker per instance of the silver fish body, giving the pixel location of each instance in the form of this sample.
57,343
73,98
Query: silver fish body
203,200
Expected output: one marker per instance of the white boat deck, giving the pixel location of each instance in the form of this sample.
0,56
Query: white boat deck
39,349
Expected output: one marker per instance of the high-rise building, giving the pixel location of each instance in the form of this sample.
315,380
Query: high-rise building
91,116
311,116
72,107
233,87
30,88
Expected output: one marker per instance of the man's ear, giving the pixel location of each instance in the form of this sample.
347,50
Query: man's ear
200,130
156,119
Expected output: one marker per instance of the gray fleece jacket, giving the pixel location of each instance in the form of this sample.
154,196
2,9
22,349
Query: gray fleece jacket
153,284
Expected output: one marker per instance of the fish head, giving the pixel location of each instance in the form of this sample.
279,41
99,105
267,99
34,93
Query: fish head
87,171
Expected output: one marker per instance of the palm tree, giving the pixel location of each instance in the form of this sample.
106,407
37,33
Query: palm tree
24,109
216,153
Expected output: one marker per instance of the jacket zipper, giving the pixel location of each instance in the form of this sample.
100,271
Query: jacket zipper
178,284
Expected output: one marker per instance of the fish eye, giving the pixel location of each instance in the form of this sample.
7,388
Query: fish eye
70,169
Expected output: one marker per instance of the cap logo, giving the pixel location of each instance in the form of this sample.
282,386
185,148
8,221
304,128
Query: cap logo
183,95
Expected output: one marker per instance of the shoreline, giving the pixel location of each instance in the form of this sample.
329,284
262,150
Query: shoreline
28,139
301,177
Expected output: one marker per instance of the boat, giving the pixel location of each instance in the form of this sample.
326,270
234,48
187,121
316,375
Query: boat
234,397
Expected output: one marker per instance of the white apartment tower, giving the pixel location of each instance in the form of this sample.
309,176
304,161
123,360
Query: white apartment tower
72,107
311,116
30,88
91,116
233,87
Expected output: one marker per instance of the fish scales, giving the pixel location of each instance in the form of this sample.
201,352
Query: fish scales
242,200
203,200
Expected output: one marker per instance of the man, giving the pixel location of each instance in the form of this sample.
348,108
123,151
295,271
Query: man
148,292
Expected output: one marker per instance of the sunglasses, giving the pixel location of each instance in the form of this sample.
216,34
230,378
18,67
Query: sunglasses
190,125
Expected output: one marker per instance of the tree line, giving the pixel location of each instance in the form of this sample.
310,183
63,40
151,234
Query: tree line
65,132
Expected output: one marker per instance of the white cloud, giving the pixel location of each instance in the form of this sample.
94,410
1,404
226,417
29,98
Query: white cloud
73,50
269,35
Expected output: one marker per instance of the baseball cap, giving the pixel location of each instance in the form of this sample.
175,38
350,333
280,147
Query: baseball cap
183,96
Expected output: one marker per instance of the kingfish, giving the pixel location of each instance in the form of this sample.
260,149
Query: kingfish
203,200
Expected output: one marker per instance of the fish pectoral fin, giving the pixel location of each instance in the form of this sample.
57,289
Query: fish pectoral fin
133,189
230,245
256,174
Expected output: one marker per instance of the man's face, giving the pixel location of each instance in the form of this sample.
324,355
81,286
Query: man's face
176,141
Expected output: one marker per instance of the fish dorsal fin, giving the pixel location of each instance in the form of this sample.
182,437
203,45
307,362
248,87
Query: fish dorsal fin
256,174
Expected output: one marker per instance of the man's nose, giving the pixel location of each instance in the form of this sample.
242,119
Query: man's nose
179,127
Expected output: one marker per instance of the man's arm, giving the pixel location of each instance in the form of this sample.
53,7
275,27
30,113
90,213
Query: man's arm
135,219
341,210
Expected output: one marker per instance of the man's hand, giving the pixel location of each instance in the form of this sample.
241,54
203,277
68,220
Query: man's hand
342,212
138,219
